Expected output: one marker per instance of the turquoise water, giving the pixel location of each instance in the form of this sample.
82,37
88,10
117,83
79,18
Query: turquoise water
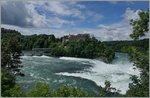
84,73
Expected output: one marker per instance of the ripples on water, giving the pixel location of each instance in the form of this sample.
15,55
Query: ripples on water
85,73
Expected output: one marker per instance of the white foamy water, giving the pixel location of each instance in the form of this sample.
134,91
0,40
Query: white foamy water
54,71
118,73
43,56
74,59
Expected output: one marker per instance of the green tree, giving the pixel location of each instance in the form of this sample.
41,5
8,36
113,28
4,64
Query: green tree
40,90
10,64
13,92
7,81
140,26
11,52
43,90
140,85
68,91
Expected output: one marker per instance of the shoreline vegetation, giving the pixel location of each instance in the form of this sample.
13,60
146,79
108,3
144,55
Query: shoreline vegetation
81,45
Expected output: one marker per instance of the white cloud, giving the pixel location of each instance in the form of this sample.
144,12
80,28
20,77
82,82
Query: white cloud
64,8
22,14
25,14
117,31
34,18
131,14
120,30
12,15
56,22
105,33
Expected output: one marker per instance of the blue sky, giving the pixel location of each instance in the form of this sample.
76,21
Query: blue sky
106,20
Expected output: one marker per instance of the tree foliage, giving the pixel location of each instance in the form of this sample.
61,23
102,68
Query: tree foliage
120,46
10,64
11,52
7,81
69,91
85,47
44,90
141,25
40,90
140,85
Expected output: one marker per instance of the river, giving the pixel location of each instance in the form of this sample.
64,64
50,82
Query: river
84,73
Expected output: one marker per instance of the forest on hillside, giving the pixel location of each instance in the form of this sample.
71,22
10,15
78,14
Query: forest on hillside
81,46
119,46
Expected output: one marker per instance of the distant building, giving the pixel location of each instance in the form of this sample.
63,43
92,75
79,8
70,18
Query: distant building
75,37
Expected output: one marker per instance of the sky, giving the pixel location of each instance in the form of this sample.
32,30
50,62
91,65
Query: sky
106,20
